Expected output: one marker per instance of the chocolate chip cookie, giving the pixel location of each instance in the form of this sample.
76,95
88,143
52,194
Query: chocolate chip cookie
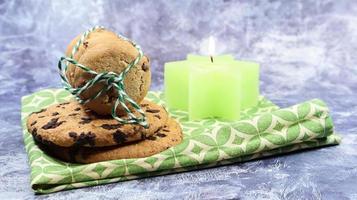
71,124
104,51
166,137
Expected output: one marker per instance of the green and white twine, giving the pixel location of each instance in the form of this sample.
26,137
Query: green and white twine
111,80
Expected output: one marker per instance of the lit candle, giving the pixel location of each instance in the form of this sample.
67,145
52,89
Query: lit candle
214,89
176,77
178,81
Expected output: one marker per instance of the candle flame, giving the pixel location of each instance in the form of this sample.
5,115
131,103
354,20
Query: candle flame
211,46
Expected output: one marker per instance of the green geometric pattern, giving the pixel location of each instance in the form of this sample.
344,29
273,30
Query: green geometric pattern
264,130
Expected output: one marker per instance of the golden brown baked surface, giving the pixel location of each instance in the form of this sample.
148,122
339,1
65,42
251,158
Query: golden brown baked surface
170,135
70,124
104,51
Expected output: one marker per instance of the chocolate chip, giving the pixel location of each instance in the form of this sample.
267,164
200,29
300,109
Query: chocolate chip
142,136
52,124
34,132
62,104
85,120
72,135
157,116
39,138
165,130
77,109
161,134
33,123
40,111
119,137
151,138
46,142
152,111
85,44
111,126
41,116
73,114
55,113
91,137
145,67
86,138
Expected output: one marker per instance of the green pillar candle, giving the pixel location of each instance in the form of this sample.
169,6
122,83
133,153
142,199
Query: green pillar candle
249,72
250,83
214,91
176,84
176,78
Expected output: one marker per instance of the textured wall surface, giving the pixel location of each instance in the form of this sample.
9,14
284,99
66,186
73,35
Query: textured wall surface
307,49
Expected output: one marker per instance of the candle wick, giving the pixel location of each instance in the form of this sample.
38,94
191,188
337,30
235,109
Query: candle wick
211,59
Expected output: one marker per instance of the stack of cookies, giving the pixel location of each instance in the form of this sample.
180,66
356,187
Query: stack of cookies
87,133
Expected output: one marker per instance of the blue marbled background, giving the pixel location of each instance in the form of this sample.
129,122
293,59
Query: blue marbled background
307,49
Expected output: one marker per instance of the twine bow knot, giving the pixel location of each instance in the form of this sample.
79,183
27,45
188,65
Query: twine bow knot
110,80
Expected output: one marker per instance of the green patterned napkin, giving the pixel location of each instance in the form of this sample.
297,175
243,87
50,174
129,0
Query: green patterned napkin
264,130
